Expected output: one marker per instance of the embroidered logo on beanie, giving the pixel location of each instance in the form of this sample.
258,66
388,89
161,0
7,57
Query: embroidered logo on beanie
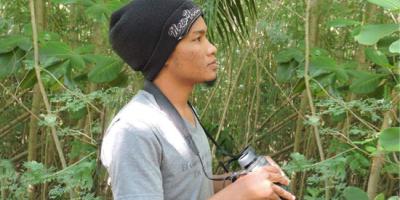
178,30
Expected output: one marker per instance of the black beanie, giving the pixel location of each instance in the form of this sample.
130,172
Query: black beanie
144,33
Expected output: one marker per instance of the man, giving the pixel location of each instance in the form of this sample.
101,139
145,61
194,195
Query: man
146,152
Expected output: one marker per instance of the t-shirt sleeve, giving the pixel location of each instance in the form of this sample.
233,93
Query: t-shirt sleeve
135,163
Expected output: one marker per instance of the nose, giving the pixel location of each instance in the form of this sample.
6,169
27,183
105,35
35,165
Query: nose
212,50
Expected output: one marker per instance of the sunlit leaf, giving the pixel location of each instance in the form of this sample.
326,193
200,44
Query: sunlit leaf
352,193
395,47
387,4
370,34
390,139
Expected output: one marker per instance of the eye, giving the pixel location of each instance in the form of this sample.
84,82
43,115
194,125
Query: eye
197,39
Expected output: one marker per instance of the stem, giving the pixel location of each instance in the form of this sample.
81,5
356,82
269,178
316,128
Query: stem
40,83
307,81
308,90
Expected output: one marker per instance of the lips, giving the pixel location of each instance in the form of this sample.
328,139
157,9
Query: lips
213,64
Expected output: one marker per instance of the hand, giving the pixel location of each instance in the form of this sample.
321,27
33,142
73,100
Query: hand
273,163
260,184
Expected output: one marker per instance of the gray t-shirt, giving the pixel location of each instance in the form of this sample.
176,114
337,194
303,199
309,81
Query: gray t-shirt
147,157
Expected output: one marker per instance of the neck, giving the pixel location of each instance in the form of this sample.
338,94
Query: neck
177,92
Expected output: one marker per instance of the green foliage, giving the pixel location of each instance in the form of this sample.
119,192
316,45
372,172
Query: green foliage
351,193
339,23
365,82
395,47
387,4
9,62
106,69
370,34
377,57
390,139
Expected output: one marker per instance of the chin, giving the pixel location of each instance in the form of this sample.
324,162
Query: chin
210,83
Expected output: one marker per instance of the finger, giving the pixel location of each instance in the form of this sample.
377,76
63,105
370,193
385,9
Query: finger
271,169
283,193
277,178
273,196
273,163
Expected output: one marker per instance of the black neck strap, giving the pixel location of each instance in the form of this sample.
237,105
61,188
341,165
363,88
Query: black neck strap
166,106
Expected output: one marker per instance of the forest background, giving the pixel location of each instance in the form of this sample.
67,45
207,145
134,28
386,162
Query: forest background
312,83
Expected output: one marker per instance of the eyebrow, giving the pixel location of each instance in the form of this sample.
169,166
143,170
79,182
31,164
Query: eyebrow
200,32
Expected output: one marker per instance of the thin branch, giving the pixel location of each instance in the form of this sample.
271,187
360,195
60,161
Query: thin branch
307,79
4,130
40,83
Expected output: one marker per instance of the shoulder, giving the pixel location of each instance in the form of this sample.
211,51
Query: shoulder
133,126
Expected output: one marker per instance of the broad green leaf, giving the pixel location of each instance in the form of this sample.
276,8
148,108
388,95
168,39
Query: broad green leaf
285,71
106,70
338,23
56,49
387,4
288,54
394,198
9,62
390,139
353,193
321,65
77,61
323,62
377,57
62,51
395,47
54,73
341,74
365,82
370,34
86,49
30,79
8,43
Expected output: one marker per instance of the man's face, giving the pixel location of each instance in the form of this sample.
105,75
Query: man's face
193,60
